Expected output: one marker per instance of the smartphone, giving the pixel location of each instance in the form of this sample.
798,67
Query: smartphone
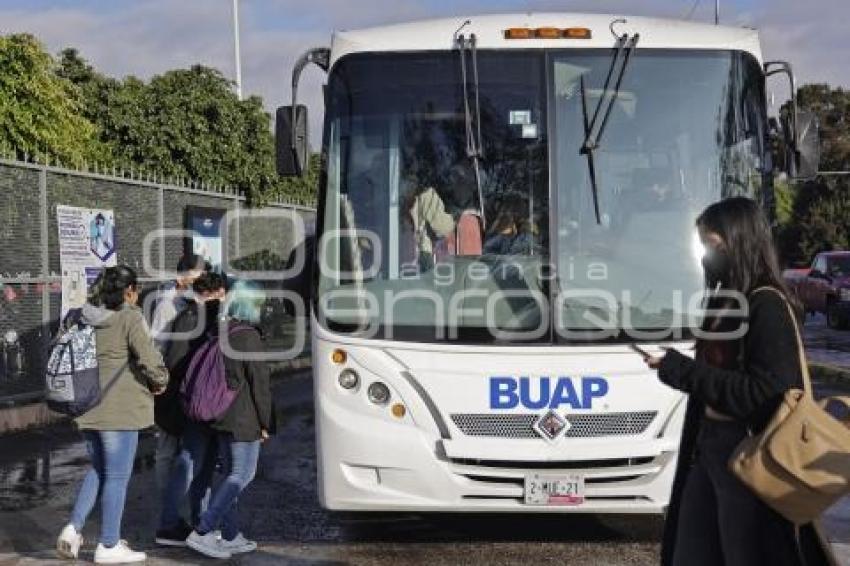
640,351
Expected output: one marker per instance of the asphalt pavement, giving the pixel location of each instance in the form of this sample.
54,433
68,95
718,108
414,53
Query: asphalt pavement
40,472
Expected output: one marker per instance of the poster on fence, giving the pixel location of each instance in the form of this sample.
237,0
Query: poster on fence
86,246
205,224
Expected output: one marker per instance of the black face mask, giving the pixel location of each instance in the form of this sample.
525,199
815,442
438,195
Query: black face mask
717,266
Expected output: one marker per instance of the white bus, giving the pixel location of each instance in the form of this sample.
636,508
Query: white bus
506,204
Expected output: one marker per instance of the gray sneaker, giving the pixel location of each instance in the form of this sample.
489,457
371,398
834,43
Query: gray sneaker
239,545
208,545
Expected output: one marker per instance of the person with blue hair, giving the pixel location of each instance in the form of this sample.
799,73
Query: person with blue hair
245,302
243,427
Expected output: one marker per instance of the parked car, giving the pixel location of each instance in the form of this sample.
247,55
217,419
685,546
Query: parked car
824,287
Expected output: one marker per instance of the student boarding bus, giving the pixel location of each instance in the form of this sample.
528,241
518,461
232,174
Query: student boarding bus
506,206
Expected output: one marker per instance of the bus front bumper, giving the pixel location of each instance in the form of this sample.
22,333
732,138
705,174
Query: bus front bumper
371,464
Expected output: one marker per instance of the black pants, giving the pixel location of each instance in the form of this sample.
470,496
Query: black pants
721,522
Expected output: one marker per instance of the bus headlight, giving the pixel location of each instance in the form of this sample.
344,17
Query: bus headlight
378,393
348,379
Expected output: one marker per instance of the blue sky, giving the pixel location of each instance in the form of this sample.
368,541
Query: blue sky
144,38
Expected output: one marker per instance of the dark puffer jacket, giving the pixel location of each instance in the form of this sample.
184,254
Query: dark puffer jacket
252,409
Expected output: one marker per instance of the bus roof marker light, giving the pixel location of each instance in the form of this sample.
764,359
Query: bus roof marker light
578,33
398,410
547,33
519,33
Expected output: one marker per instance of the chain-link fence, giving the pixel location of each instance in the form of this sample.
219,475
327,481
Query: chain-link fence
150,223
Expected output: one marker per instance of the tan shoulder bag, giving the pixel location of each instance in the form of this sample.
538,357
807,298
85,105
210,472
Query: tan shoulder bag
800,464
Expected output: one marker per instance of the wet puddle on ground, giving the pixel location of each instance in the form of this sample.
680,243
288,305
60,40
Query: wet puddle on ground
48,464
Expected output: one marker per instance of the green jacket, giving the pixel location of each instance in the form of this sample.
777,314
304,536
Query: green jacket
429,212
129,365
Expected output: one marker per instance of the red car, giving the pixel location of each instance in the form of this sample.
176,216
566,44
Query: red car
824,287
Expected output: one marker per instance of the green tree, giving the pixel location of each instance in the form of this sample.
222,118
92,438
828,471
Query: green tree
94,87
40,111
819,220
302,190
185,123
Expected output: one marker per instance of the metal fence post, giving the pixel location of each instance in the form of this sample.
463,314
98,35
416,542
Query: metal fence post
161,220
45,255
237,240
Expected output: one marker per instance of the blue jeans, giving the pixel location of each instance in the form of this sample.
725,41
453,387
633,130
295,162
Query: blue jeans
112,453
241,459
191,475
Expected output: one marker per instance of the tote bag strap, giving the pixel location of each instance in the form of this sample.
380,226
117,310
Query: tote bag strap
804,366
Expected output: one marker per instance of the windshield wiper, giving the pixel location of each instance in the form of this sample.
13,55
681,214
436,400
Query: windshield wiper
595,127
472,116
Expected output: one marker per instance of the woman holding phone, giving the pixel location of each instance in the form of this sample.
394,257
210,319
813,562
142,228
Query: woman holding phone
735,382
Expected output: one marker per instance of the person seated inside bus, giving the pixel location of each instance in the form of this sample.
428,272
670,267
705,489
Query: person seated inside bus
512,233
527,238
426,222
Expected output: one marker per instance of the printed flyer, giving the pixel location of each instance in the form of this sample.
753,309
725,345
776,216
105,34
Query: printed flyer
86,245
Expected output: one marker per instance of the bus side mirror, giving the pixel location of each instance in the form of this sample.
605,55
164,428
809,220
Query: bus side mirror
291,147
807,156
796,151
796,140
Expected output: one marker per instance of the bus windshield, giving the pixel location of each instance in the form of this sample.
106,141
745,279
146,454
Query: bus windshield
411,249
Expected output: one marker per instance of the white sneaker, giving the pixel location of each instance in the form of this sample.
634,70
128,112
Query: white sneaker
69,542
208,545
239,545
118,554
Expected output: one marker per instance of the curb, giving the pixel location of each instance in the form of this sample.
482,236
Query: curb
35,415
25,417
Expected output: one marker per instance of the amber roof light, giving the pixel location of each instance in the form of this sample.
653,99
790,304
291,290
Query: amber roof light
548,33
518,33
577,33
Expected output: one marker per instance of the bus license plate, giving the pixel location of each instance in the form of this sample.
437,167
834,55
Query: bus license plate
554,490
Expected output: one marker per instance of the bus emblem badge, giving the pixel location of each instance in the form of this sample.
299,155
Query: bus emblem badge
550,425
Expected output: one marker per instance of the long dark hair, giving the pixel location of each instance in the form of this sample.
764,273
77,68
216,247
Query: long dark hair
753,263
744,228
109,287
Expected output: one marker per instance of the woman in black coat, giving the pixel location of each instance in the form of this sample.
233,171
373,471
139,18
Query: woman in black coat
744,364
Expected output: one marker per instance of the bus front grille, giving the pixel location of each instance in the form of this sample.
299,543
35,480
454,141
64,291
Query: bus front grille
521,425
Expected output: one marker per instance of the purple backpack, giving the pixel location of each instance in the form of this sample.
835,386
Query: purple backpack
204,393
